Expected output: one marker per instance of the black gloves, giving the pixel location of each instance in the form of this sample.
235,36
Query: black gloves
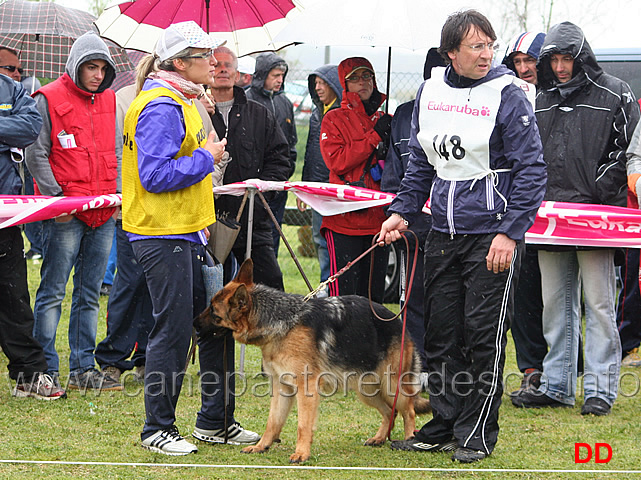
383,127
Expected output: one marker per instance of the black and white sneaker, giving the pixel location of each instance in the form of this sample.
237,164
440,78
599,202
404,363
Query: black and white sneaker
236,435
413,445
468,455
169,442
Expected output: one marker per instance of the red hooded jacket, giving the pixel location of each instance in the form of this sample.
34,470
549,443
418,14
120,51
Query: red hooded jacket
347,142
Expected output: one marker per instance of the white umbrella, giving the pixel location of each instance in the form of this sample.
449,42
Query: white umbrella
411,24
248,26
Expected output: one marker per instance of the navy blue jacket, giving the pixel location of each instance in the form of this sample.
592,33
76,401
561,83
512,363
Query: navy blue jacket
397,158
20,125
314,169
461,207
258,149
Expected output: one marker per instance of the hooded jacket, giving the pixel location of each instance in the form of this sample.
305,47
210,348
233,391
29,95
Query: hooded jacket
276,102
348,141
91,167
505,200
529,43
586,123
20,123
314,169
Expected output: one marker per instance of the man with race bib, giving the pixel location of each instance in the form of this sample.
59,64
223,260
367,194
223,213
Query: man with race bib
475,151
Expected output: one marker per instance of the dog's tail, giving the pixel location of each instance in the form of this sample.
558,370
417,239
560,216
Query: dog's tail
422,405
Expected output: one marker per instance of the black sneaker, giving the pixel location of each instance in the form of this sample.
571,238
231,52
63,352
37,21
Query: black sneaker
105,290
413,445
33,255
531,381
595,406
536,399
468,455
94,380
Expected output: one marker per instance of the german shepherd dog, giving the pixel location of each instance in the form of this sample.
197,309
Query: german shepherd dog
316,347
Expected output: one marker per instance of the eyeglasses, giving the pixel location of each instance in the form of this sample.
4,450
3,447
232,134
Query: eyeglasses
12,68
479,47
366,77
207,54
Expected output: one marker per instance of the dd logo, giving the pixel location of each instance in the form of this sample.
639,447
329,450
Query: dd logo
583,453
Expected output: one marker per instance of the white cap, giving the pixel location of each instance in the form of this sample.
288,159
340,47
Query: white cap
178,36
247,64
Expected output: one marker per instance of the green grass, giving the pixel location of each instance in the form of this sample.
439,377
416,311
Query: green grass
105,428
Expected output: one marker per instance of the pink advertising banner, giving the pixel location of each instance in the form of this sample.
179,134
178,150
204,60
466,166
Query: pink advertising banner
556,223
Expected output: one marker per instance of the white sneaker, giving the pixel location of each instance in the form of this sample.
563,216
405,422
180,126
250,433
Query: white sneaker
423,379
43,387
169,442
236,435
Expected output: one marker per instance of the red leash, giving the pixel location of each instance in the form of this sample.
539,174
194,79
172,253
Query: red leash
408,289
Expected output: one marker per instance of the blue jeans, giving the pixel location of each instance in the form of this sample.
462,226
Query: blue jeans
71,245
563,274
321,245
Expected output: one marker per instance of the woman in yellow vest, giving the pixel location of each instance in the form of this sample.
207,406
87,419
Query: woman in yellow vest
167,205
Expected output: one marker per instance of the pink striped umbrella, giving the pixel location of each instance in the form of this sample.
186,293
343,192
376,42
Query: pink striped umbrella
249,26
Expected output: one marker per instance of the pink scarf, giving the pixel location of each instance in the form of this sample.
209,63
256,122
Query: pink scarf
187,88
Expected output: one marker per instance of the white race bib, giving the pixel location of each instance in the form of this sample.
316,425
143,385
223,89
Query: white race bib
456,125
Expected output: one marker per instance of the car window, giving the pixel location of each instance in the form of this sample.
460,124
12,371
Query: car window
623,63
629,72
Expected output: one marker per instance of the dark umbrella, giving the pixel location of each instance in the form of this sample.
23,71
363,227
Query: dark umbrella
129,77
43,33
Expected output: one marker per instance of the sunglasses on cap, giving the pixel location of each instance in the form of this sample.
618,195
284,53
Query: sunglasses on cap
12,68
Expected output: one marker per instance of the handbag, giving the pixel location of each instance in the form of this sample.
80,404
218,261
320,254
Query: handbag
224,232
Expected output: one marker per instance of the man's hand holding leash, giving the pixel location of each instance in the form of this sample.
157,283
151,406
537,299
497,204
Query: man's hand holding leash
392,228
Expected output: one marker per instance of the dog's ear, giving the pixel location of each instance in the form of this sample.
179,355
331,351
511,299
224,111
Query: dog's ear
246,273
240,299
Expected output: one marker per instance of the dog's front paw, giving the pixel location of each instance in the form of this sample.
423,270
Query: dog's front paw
374,442
254,449
298,457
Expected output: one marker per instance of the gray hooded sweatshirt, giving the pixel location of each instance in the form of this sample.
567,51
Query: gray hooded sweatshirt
87,47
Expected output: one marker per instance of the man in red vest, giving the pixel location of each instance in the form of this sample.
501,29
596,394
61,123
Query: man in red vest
75,156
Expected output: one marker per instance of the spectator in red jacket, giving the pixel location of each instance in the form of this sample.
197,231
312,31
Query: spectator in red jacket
75,155
353,138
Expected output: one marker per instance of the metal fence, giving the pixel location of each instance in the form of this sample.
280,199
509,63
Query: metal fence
403,86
